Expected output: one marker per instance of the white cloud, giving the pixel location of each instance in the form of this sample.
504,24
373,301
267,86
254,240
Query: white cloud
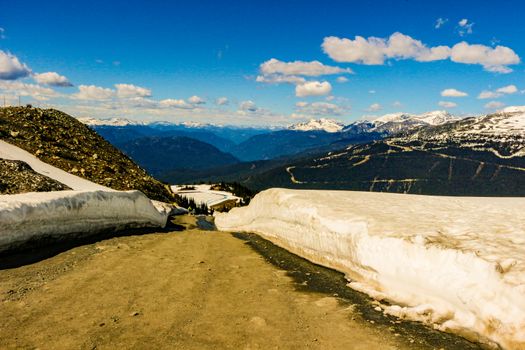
222,101
397,104
371,91
488,94
453,93
447,104
196,100
375,51
280,79
374,107
93,93
2,33
509,89
130,91
52,79
440,22
11,68
313,88
465,27
175,103
319,108
492,59
311,69
17,88
342,80
494,105
248,106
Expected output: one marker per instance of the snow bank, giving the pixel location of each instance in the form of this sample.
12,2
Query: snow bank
11,152
455,262
30,216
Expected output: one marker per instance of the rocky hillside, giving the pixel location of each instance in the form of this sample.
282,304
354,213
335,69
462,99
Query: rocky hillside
18,177
64,142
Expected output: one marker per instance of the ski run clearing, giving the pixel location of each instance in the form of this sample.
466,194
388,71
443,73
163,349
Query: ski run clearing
88,209
457,263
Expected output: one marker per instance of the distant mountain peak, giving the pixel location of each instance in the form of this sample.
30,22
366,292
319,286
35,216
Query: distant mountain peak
323,124
430,118
108,122
514,109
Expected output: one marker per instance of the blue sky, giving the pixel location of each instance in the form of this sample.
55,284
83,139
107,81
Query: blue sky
205,60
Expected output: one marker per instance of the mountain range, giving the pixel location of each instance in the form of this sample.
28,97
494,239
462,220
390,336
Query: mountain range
252,144
482,156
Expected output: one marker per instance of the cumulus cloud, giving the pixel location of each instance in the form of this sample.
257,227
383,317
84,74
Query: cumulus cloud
492,59
375,51
130,91
51,79
509,89
17,88
465,27
342,79
248,106
440,22
447,104
311,69
453,93
374,107
485,94
11,68
175,103
505,90
280,79
222,101
494,105
93,93
313,88
196,100
319,108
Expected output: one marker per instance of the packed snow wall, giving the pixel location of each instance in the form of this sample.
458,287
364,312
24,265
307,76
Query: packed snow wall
31,216
455,262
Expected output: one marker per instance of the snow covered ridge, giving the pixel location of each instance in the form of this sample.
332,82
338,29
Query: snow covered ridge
501,133
328,125
108,122
428,118
32,216
455,262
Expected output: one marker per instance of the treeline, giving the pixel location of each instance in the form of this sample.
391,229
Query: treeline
192,206
237,190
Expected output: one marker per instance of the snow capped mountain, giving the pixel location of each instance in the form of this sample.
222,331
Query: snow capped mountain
323,124
108,122
512,109
397,122
392,118
436,117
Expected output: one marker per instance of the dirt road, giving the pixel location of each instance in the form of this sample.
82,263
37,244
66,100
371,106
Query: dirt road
182,290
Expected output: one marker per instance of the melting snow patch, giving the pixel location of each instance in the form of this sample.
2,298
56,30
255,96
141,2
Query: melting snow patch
455,262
